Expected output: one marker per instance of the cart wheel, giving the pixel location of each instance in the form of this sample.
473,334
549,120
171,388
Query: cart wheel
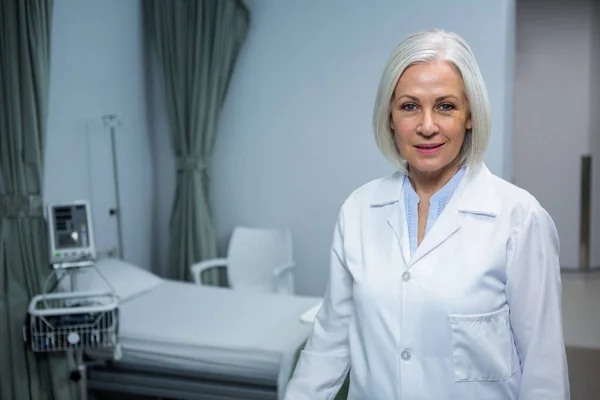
75,376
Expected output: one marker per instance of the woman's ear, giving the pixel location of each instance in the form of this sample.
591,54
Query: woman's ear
469,124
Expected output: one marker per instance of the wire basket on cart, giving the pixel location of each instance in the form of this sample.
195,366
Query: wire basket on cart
73,321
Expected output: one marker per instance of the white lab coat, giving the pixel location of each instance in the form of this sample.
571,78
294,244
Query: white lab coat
475,314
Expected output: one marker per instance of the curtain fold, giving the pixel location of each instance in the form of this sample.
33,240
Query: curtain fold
25,27
197,44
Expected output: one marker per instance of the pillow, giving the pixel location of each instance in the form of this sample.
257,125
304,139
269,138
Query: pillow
127,280
310,315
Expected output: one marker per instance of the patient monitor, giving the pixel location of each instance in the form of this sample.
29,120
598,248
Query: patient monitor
77,320
71,236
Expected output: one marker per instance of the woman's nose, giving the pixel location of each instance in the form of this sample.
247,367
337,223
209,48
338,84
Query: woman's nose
428,126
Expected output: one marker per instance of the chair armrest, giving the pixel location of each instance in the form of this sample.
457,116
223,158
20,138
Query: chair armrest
198,268
284,278
281,269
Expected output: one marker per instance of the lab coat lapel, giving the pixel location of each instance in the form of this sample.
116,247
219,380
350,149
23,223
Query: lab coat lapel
397,221
388,198
445,226
473,195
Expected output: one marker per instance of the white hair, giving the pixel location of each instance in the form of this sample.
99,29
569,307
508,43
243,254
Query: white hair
428,46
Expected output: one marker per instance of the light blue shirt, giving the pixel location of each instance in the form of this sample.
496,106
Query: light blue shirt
436,205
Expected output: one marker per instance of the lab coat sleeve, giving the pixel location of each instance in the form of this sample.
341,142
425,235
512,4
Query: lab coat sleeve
324,362
534,292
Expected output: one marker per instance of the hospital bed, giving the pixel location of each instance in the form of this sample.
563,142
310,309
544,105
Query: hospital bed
178,340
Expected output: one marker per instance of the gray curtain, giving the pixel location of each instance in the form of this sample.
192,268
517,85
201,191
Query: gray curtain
25,27
197,43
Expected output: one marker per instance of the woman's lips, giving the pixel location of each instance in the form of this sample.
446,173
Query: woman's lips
429,148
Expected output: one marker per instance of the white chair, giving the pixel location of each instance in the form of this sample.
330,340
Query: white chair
258,259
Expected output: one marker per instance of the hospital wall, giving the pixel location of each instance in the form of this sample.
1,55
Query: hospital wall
556,122
595,138
98,68
295,135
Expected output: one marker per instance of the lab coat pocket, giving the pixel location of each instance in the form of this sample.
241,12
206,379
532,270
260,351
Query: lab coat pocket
482,347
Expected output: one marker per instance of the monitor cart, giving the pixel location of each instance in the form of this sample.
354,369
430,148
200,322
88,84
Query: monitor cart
71,320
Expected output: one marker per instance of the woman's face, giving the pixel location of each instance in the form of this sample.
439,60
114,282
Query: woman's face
429,116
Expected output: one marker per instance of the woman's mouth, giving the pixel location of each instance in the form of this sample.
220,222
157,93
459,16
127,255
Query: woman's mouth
429,148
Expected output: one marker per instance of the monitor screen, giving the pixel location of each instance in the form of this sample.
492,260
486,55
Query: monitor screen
70,227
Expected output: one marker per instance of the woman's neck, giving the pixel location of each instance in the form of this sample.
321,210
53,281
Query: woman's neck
426,184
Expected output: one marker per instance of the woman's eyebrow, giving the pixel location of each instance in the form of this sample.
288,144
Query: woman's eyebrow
441,98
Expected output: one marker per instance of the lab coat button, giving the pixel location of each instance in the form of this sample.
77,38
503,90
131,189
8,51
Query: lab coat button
405,355
406,276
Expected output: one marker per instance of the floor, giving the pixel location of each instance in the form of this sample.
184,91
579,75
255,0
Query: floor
584,373
581,326
584,376
114,396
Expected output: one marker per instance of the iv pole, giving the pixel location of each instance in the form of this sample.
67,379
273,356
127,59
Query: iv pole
112,121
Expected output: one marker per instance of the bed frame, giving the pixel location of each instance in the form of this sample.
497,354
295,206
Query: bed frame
135,379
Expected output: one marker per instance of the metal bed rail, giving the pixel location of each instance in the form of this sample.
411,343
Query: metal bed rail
175,384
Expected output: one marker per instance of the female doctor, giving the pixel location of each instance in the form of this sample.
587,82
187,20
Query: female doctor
445,280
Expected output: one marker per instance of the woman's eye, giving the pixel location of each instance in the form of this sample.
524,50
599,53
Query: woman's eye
446,107
409,107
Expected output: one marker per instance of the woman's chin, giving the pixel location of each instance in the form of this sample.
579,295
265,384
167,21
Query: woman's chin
430,166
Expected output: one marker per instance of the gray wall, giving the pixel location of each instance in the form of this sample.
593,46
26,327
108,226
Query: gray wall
595,135
98,68
295,136
555,122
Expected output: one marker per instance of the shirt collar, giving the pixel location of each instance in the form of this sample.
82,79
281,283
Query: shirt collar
477,194
442,195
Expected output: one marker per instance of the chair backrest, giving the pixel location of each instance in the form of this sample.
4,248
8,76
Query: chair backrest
253,254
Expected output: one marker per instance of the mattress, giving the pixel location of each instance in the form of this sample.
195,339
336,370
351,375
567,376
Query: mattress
182,326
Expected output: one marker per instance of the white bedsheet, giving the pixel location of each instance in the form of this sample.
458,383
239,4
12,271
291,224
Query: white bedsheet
213,330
